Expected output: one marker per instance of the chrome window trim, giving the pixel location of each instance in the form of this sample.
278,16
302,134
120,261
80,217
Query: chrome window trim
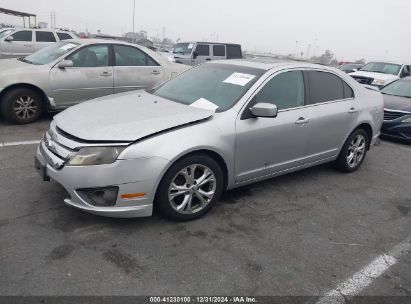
285,70
316,104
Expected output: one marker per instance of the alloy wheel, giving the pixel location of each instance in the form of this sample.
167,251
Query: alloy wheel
192,189
25,107
356,151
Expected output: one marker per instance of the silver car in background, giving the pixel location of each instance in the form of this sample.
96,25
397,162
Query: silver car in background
18,42
76,70
218,126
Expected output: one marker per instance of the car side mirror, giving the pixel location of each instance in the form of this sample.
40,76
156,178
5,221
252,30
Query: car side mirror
65,64
9,39
355,70
263,109
195,54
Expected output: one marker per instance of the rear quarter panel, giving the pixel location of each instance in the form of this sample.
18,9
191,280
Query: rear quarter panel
371,105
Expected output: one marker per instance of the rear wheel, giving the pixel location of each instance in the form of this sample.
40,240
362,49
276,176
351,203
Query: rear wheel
190,188
353,152
21,106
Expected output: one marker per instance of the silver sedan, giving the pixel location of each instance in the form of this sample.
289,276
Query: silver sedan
217,126
73,71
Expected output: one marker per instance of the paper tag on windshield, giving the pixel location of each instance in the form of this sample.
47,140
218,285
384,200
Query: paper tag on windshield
239,79
68,46
203,103
190,46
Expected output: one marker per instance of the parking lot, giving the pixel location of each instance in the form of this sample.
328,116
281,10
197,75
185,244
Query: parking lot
301,234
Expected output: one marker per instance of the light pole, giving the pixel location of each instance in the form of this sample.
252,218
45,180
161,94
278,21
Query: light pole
295,49
134,11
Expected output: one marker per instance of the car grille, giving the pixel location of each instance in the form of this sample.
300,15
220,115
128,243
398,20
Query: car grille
391,115
363,80
54,152
58,146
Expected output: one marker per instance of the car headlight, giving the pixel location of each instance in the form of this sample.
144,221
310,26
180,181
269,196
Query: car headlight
378,82
89,156
407,120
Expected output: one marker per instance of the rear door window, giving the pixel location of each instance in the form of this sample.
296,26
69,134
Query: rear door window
45,36
64,36
130,56
348,92
325,87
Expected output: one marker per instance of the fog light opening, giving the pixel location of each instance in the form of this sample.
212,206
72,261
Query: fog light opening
99,197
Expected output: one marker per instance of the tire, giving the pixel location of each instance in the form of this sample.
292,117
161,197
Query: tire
28,101
187,192
353,152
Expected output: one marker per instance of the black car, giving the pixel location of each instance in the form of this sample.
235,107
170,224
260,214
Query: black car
397,110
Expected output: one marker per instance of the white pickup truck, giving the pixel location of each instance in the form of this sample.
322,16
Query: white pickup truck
380,74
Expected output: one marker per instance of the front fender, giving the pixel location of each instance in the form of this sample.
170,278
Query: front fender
216,135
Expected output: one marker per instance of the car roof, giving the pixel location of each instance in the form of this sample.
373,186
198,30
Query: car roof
271,63
38,29
388,61
205,42
99,41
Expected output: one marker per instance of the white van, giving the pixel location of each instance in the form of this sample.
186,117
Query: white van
193,53
23,41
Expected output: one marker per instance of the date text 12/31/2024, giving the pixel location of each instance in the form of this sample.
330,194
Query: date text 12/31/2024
203,299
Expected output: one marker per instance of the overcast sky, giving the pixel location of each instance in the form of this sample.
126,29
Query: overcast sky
352,29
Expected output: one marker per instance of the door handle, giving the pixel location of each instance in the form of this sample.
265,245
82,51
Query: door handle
28,45
301,121
208,59
352,110
155,72
105,74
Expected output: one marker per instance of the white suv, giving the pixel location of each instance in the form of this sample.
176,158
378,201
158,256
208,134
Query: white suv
22,42
380,74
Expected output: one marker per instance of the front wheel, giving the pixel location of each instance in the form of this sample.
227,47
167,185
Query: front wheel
190,188
353,152
21,106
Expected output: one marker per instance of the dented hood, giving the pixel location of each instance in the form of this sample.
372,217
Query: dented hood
126,117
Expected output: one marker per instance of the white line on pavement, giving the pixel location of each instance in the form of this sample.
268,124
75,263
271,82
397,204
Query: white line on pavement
19,143
361,279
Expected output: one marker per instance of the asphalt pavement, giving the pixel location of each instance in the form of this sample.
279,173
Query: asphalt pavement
302,234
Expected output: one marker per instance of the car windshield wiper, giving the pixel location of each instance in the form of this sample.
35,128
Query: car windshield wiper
25,60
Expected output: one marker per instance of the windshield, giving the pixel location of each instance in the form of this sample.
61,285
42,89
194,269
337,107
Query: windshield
382,67
5,32
183,48
50,53
398,88
349,67
221,84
